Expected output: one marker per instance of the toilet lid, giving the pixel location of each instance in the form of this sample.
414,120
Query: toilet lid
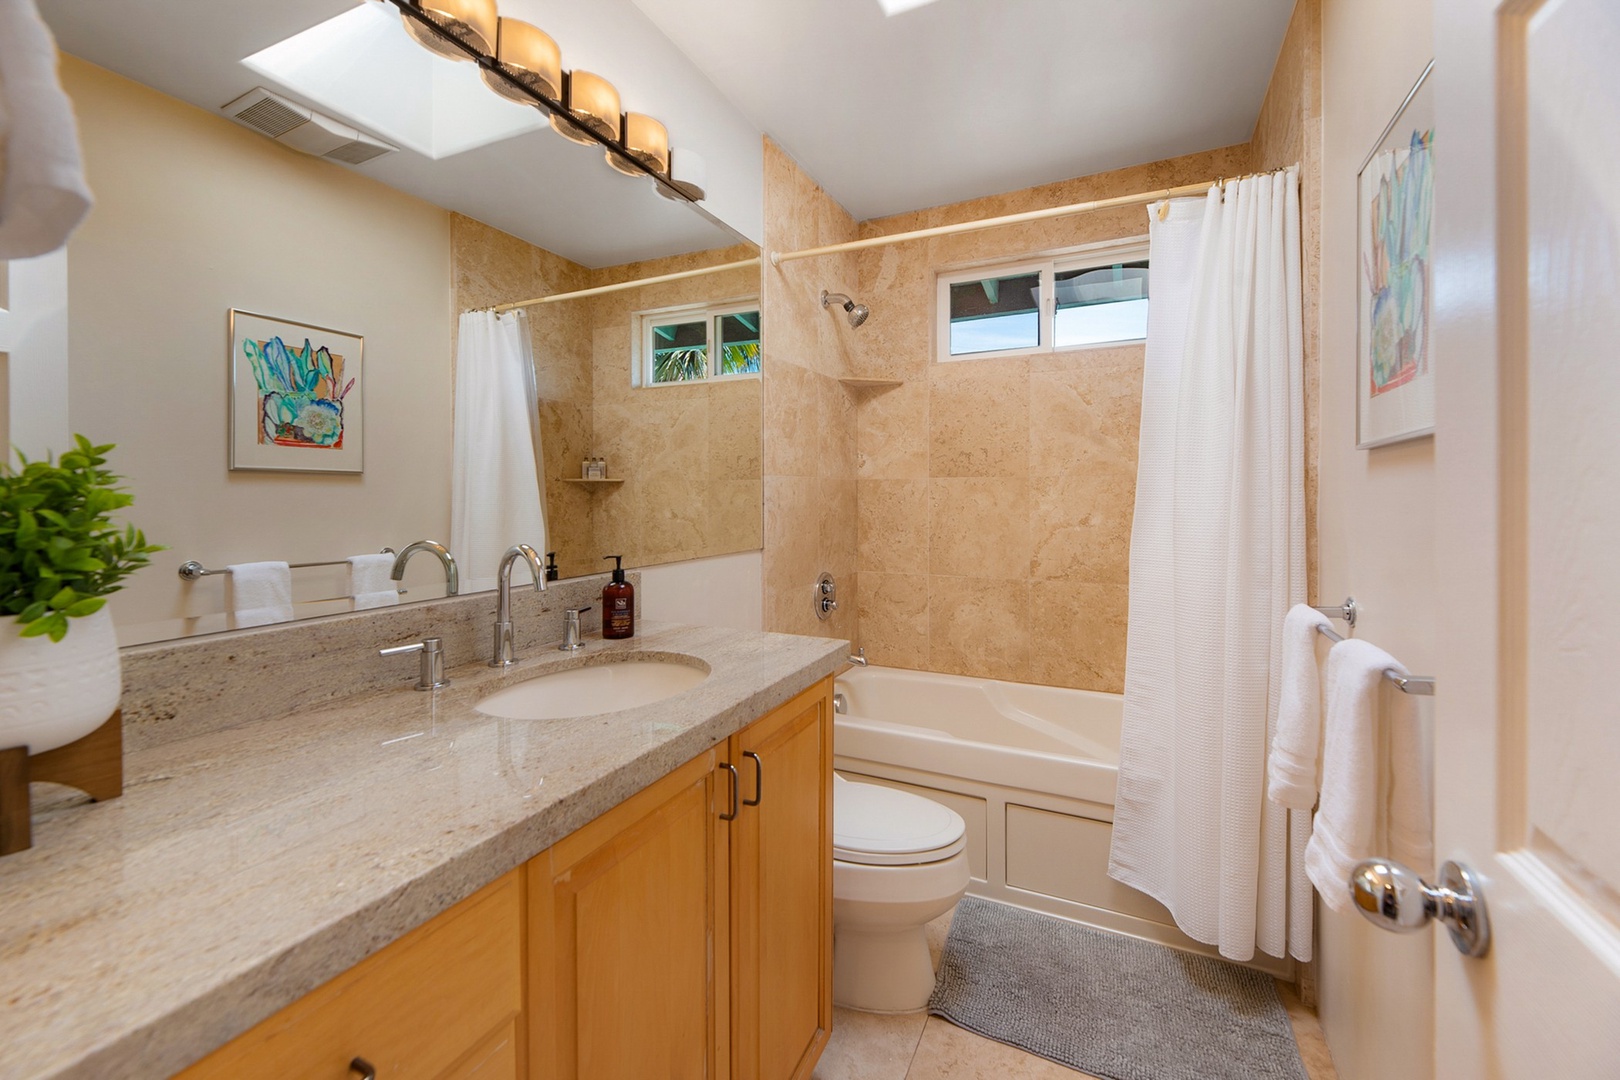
882,826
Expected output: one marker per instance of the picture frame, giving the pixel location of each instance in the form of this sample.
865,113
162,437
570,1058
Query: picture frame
1395,276
297,399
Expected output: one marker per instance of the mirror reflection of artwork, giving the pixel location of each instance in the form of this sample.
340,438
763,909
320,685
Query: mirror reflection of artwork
1395,192
294,407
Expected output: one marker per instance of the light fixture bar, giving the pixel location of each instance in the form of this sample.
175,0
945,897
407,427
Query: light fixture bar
558,109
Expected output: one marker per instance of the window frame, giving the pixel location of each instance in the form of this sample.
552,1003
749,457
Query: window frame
1087,257
642,351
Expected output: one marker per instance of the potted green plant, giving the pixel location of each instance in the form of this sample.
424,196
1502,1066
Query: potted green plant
61,556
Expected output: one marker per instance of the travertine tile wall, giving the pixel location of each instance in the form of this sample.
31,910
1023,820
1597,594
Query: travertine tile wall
810,496
690,456
995,496
1289,132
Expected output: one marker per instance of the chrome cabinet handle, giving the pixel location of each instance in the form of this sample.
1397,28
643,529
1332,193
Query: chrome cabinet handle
366,1069
1394,897
759,779
735,792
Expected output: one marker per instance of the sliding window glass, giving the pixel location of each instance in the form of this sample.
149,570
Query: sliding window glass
696,343
1095,296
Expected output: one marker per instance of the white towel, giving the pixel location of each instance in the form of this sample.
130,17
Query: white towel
261,592
43,195
1291,770
369,582
1359,818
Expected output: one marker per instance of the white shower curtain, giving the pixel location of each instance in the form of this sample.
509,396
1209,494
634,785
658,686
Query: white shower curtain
496,493
1217,559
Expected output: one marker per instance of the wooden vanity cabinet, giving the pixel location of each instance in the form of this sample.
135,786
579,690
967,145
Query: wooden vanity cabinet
444,1002
687,933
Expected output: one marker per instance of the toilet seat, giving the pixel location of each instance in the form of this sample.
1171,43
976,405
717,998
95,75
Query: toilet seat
881,826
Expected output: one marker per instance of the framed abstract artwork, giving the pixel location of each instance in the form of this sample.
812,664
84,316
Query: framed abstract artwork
297,396
1395,276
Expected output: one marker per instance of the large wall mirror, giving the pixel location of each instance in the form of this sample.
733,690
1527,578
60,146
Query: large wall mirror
197,216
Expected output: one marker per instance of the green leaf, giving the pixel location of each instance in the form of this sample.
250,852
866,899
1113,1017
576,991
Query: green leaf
88,606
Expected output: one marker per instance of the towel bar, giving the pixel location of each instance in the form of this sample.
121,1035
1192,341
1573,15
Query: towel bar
1416,685
192,570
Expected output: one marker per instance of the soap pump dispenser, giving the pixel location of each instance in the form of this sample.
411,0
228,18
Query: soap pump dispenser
618,603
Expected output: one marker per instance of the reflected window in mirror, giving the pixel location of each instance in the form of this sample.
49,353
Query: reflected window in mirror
697,343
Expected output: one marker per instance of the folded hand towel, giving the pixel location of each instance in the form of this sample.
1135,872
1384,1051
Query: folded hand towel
43,195
369,582
1291,770
1354,822
261,593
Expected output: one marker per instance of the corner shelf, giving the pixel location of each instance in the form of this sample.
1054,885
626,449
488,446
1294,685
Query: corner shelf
871,384
592,483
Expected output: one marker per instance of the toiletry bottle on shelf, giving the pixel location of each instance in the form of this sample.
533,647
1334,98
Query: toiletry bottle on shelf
586,468
618,603
551,566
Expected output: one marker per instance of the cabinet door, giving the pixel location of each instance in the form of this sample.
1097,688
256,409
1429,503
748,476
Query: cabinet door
782,889
628,976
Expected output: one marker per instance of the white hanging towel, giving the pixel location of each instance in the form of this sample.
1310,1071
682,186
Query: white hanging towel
261,592
495,496
369,582
43,194
1366,813
1291,770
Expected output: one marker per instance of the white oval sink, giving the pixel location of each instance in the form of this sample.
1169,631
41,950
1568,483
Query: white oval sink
600,688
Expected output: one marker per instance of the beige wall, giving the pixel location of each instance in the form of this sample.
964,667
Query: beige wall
809,414
194,216
995,496
1375,520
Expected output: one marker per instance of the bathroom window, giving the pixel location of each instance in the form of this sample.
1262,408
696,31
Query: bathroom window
1098,296
696,343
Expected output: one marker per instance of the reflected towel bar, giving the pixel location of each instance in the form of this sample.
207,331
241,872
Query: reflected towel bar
192,570
1417,685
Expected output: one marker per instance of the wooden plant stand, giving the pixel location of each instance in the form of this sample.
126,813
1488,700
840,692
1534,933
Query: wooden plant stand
94,764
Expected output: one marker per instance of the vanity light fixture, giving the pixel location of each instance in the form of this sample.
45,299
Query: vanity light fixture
593,103
471,22
527,55
646,140
523,64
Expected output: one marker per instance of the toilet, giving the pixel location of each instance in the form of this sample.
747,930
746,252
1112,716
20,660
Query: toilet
899,861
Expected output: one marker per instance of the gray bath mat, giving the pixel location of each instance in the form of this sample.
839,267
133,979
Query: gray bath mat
1107,1004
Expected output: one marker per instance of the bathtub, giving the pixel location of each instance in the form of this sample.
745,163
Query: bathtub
1031,769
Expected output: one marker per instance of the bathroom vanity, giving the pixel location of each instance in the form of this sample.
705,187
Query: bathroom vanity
399,883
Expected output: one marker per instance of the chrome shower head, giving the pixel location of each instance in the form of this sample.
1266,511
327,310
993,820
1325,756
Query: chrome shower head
858,313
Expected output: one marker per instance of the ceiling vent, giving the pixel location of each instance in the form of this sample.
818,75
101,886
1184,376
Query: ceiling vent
302,129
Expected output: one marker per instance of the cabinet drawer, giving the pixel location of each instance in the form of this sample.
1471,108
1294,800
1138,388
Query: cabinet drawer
422,1005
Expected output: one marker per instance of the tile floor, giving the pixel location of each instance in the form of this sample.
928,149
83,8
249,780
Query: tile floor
916,1046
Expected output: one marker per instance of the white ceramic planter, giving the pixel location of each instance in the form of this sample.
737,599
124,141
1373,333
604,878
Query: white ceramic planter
53,692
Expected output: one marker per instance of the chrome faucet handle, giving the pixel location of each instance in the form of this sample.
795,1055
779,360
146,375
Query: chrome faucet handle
571,637
430,675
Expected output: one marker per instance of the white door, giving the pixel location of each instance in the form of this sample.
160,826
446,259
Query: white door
1527,336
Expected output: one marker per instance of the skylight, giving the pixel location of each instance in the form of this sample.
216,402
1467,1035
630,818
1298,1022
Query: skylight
363,67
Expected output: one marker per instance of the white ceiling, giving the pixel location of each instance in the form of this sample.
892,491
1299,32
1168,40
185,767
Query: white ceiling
536,185
962,98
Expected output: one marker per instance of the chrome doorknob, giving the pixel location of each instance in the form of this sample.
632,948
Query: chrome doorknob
1394,897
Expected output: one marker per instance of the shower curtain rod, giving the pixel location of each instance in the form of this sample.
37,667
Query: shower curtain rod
1142,198
500,309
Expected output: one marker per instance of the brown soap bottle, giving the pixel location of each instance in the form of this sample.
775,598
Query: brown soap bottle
618,603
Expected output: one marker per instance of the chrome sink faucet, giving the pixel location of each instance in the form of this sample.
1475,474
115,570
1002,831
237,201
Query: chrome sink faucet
502,655
452,579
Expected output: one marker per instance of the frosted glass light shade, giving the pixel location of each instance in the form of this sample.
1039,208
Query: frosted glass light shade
472,22
646,140
593,102
529,55
688,172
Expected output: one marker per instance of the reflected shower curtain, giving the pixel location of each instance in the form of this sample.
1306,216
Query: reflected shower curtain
496,497
1217,559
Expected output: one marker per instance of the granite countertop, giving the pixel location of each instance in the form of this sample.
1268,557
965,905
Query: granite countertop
244,867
